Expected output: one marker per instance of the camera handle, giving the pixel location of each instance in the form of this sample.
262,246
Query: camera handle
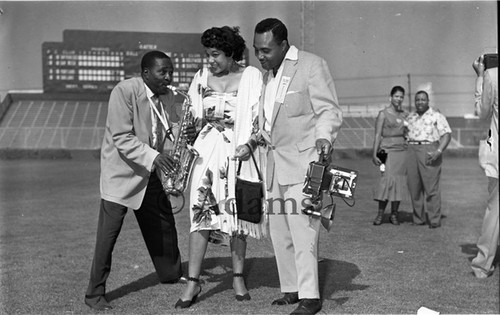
323,158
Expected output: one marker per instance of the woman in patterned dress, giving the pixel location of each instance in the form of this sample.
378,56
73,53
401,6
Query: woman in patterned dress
225,97
390,130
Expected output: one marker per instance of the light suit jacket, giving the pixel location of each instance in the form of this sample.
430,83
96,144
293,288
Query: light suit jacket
126,154
486,106
310,111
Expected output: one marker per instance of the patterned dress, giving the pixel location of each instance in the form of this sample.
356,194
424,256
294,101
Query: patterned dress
214,145
213,178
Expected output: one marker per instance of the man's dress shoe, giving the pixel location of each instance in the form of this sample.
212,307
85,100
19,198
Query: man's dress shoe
288,298
98,303
308,306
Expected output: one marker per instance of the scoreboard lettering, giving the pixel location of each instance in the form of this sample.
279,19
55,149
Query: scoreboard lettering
95,61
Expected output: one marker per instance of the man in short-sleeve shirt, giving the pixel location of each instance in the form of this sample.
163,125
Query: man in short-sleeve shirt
428,136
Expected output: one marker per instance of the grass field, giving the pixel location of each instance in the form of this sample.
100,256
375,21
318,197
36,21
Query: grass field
48,218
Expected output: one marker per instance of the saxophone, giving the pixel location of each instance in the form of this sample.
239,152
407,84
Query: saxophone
184,155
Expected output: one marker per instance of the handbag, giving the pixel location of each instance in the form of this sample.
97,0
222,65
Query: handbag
249,196
382,155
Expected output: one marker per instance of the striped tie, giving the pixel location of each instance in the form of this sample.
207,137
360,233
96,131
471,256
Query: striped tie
159,127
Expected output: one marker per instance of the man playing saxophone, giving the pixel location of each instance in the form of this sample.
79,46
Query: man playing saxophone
137,127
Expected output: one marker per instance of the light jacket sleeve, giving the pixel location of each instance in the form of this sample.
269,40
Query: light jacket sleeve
483,96
122,129
324,101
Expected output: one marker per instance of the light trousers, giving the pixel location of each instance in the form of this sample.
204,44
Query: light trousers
487,243
423,183
295,240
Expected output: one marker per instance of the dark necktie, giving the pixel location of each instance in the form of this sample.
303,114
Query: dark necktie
159,125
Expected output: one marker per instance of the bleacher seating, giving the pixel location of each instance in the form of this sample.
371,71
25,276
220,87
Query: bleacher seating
53,125
71,124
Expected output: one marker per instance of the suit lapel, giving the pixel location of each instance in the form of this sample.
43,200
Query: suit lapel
261,101
289,69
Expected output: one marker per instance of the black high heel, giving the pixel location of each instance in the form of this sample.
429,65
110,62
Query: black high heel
394,218
185,304
244,297
378,219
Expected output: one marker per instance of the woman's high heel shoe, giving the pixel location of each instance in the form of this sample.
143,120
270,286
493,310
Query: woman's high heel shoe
394,218
244,297
378,220
185,304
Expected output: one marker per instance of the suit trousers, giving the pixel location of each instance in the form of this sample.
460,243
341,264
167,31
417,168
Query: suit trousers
423,183
487,243
157,225
295,240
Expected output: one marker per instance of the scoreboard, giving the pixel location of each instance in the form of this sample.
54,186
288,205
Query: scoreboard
95,61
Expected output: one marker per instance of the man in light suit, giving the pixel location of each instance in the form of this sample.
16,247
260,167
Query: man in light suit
299,119
486,107
136,129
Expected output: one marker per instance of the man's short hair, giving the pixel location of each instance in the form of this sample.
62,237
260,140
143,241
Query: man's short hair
422,92
277,28
148,60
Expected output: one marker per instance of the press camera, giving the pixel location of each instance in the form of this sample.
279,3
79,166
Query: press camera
490,61
335,180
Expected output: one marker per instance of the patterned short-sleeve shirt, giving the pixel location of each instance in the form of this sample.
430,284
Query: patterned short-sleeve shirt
431,126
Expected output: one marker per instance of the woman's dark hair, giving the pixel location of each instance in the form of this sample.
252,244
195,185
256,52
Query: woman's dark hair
396,89
277,28
226,39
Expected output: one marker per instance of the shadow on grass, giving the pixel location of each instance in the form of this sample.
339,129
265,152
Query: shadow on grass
336,275
140,284
150,280
403,216
471,249
259,272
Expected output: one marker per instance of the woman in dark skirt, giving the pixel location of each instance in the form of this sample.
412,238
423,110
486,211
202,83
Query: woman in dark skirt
389,152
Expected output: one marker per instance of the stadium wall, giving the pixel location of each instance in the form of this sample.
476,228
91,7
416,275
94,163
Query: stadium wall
41,127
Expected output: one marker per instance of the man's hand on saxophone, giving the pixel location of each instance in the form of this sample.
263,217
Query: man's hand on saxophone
164,162
190,132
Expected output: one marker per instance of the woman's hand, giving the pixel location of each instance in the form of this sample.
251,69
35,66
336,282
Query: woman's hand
242,152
